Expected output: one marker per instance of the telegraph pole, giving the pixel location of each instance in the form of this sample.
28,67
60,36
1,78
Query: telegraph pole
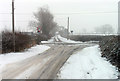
13,29
68,27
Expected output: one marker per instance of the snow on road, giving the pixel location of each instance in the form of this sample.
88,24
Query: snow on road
59,39
15,57
88,64
67,40
85,64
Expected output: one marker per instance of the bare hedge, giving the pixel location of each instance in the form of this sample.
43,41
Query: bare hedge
22,42
110,48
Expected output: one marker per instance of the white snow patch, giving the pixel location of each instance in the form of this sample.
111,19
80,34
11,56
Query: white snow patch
49,41
67,40
88,64
59,39
14,57
62,39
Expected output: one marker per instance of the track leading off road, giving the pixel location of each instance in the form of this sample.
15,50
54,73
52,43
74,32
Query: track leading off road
42,66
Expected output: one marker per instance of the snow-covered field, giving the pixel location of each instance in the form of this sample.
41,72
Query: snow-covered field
88,64
15,57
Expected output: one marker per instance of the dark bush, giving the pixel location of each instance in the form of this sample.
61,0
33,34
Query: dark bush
41,37
85,38
110,48
22,41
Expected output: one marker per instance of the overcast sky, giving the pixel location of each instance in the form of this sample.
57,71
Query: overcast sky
84,15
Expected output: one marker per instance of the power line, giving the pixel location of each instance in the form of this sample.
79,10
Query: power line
69,13
89,12
15,20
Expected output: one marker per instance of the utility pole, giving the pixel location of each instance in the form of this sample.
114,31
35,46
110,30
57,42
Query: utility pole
68,28
13,29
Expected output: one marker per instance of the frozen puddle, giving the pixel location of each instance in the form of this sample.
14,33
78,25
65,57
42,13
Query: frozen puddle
88,64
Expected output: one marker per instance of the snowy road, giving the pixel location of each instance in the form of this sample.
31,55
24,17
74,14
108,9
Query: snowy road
41,66
58,58
88,64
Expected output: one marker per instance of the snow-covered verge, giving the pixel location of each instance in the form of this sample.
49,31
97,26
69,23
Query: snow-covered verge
88,64
67,40
60,39
14,57
49,41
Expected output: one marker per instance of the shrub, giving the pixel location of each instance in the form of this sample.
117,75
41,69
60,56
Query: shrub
22,41
41,37
110,49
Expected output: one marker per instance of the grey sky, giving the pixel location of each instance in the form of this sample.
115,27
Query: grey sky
84,15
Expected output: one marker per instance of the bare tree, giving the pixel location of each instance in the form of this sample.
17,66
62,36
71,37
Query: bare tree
105,29
45,21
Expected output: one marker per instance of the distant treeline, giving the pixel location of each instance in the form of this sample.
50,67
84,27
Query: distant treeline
85,38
